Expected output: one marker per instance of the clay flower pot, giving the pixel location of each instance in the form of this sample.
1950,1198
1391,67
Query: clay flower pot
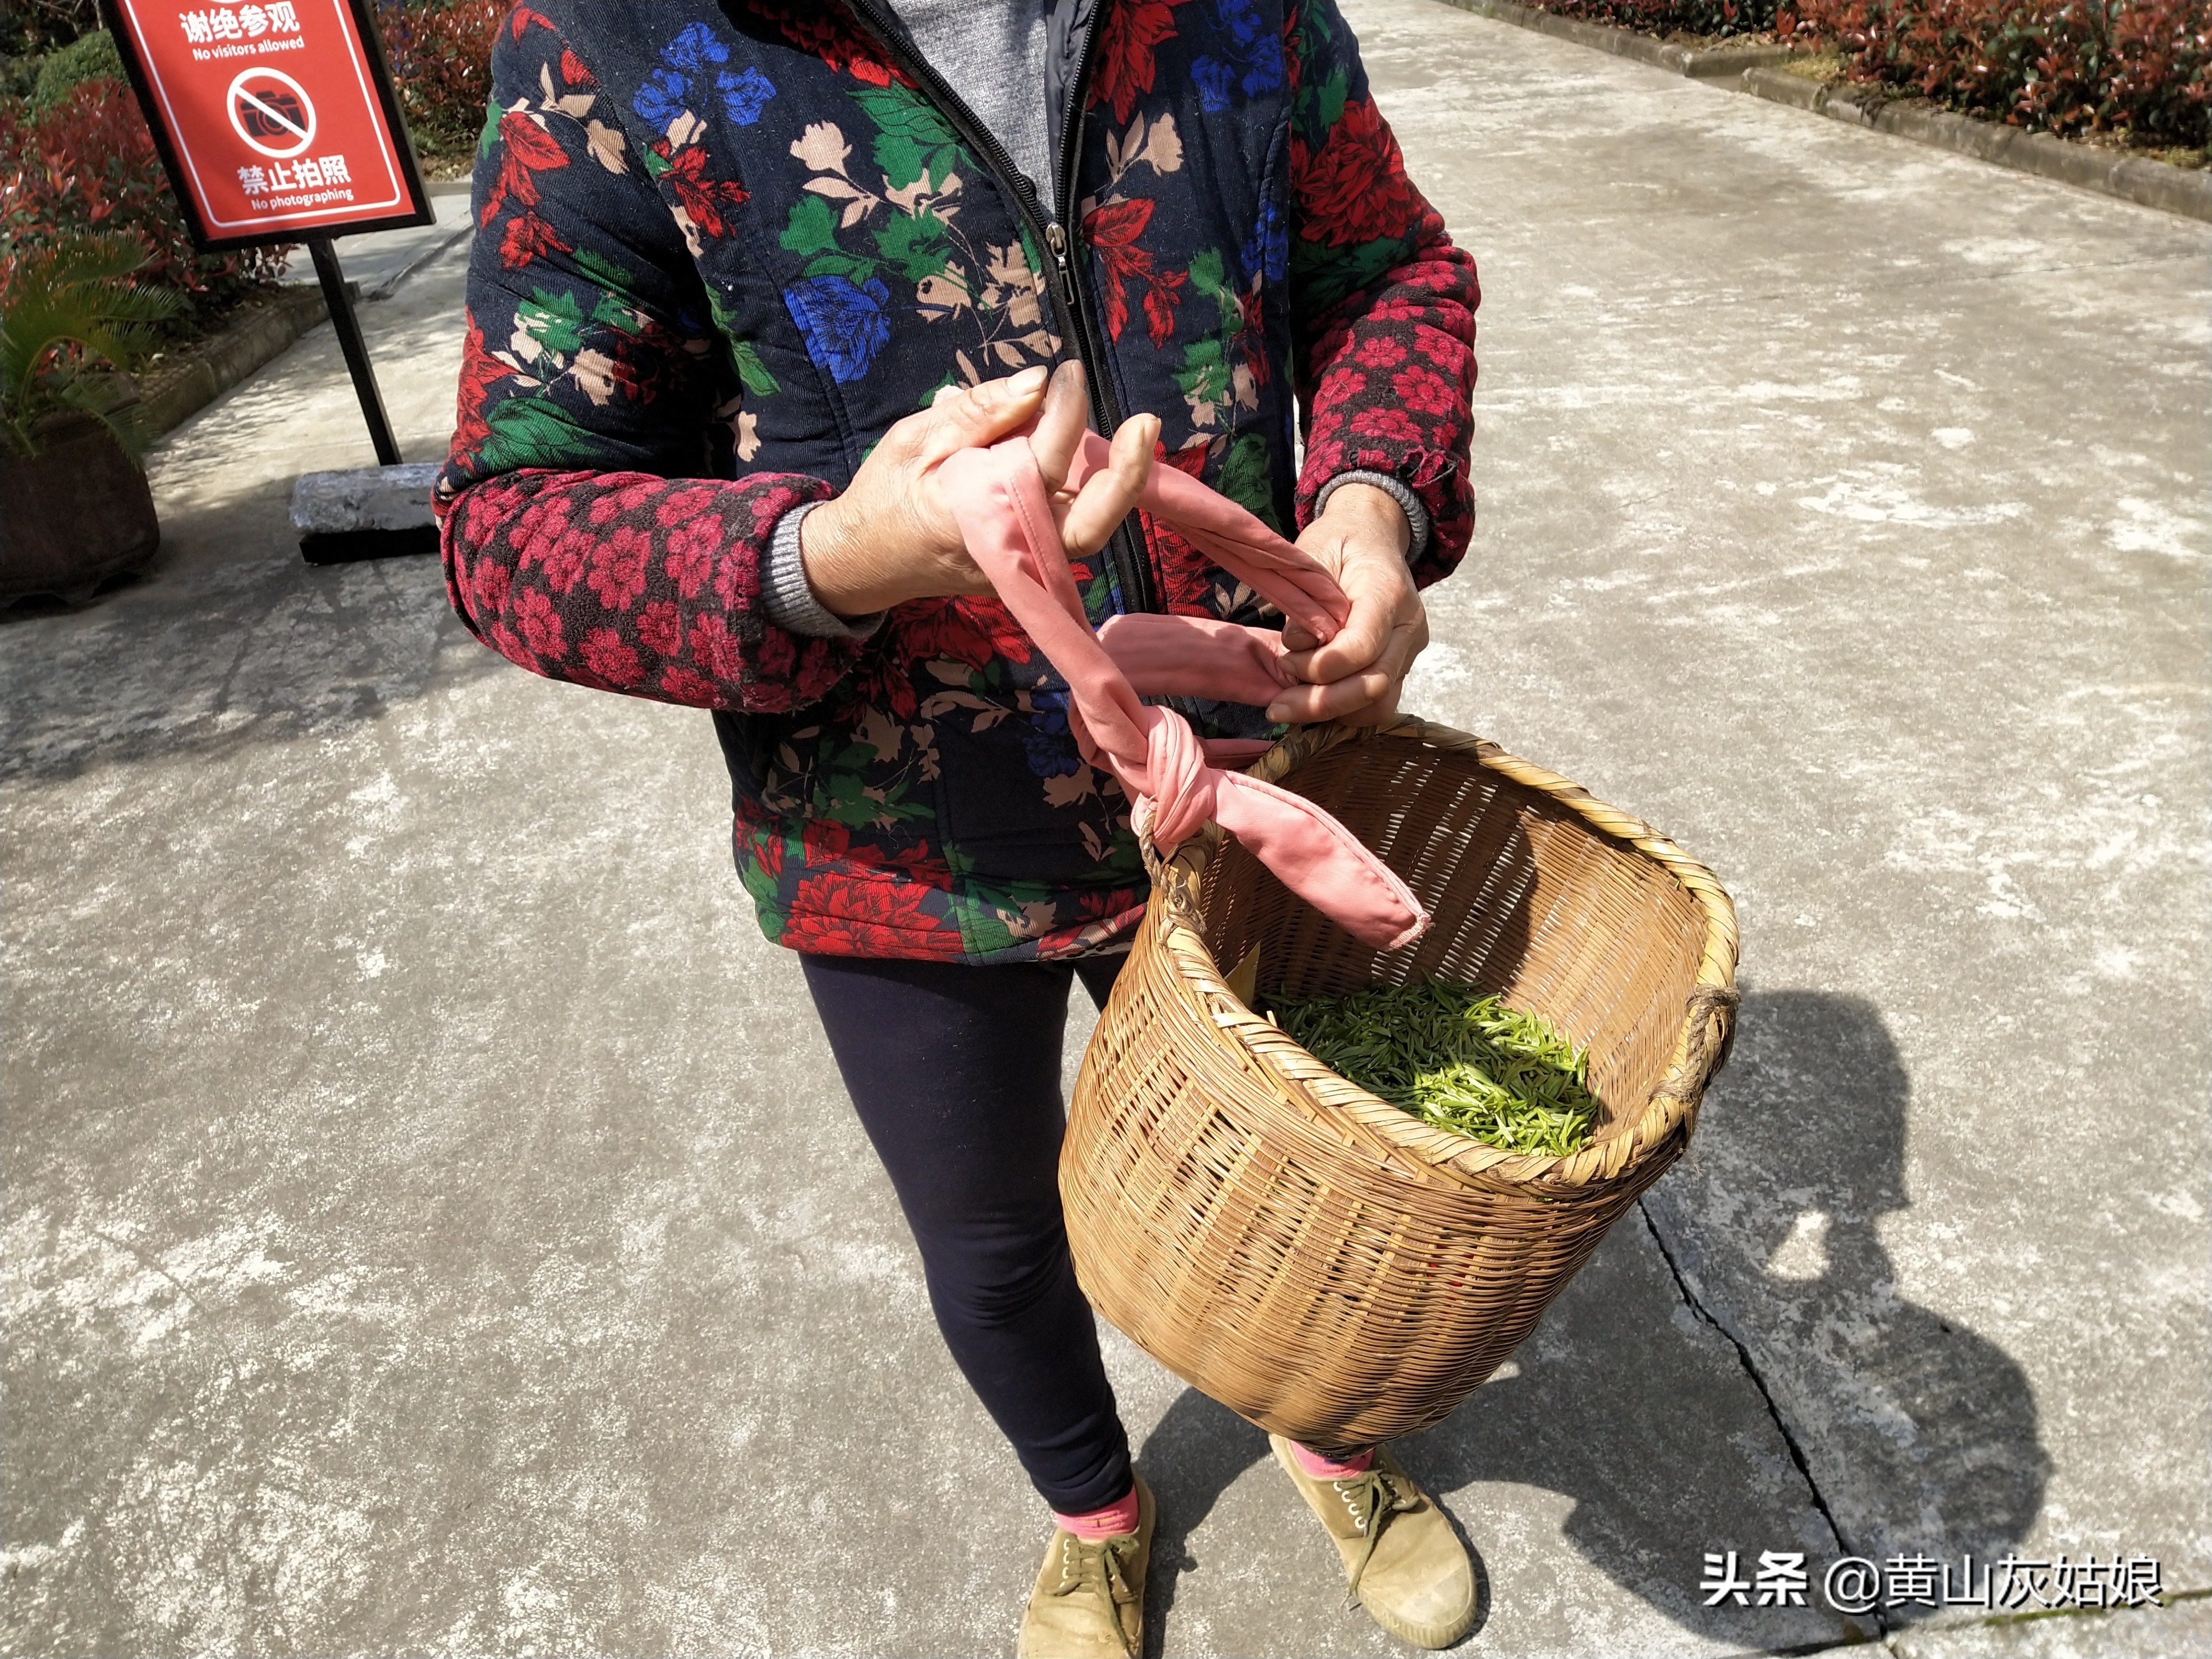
73,517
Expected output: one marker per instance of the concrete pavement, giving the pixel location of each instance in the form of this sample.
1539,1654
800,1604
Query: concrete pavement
433,1227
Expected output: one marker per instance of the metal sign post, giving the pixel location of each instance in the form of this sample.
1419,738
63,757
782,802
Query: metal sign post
339,299
276,122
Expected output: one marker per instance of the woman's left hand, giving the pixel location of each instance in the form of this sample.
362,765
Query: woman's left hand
1361,540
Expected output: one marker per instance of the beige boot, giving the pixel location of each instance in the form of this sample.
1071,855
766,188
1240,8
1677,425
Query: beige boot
1406,1565
1089,1599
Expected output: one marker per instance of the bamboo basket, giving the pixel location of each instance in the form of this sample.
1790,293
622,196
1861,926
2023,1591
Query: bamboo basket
1323,1264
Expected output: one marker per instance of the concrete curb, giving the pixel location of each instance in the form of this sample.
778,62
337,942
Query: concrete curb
385,290
2132,178
1722,63
2148,184
208,370
368,288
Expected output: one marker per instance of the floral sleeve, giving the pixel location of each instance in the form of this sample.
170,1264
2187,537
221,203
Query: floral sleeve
1383,303
587,535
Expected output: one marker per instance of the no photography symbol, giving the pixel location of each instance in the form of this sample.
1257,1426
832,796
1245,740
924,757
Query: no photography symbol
272,112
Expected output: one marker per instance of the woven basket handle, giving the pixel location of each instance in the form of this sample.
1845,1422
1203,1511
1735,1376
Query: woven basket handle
997,496
1703,1058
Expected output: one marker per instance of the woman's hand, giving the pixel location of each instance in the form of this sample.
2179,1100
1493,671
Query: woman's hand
889,537
1361,539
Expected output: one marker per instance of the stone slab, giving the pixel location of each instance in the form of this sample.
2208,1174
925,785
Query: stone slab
366,513
364,498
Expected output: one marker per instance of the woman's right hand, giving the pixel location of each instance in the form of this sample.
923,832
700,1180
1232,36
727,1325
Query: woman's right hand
889,537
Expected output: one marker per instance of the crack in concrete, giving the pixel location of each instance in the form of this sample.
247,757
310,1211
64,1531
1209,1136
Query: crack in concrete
1774,1410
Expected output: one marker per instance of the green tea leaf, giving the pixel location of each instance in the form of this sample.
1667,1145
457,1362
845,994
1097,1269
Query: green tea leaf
1460,1060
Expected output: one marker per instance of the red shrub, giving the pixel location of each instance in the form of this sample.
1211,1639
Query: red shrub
2142,67
1665,16
88,163
440,58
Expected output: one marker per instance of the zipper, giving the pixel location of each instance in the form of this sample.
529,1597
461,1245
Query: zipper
1125,549
1055,237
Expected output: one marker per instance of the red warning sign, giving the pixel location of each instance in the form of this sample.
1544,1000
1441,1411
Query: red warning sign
276,120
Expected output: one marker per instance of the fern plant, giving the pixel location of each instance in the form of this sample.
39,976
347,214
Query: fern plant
70,321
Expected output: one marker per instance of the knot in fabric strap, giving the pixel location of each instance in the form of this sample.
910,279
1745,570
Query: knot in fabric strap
998,498
1177,781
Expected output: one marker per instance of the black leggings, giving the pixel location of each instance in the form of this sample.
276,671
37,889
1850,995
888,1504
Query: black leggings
955,1073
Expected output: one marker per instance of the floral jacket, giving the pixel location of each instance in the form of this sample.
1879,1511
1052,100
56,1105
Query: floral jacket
722,247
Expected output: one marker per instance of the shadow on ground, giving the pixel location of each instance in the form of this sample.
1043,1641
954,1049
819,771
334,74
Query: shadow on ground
1921,1435
1600,1406
232,637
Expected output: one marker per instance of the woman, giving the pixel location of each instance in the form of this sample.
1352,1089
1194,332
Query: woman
745,276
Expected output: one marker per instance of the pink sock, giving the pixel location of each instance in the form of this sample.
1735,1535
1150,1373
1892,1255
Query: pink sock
1115,1521
1318,1468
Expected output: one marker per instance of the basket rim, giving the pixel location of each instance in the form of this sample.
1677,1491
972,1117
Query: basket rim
1701,1046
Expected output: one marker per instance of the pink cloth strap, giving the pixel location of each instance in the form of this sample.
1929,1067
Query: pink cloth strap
998,498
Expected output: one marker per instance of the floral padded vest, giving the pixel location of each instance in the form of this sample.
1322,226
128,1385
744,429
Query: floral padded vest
721,248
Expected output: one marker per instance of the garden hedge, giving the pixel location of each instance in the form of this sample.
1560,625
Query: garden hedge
2142,68
440,58
2139,68
1664,17
86,161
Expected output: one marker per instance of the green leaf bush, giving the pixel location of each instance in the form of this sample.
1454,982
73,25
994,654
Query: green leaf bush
72,315
89,57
